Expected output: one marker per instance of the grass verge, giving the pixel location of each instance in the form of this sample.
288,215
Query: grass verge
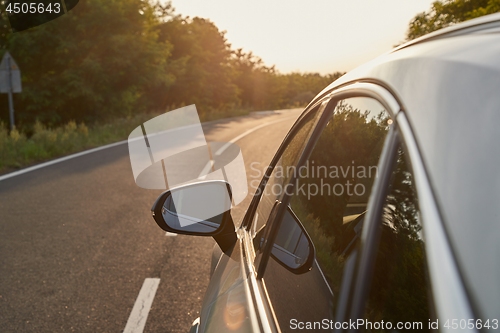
17,150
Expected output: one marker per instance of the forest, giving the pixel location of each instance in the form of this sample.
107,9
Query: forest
115,58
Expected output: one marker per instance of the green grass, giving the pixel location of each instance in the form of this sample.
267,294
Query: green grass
17,150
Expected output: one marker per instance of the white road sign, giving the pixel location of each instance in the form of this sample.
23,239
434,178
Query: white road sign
6,78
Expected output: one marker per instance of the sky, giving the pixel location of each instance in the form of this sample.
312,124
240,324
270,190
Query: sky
321,36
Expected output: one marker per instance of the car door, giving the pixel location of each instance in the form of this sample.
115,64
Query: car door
326,188
406,276
233,301
332,190
390,291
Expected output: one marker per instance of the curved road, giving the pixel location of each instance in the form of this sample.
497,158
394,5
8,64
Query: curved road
78,241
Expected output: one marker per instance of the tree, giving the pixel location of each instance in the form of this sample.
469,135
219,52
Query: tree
202,68
350,139
109,58
99,60
445,13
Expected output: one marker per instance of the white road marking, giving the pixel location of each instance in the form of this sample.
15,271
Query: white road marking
242,135
206,170
85,152
58,160
264,112
170,234
90,151
219,152
137,319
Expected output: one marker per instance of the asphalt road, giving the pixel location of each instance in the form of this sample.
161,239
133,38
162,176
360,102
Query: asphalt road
78,241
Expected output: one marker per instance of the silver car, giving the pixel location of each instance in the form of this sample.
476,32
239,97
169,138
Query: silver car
379,210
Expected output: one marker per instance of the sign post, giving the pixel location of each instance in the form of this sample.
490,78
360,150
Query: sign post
10,82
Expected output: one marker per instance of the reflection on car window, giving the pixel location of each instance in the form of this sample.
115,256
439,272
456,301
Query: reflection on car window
342,168
330,199
399,290
273,189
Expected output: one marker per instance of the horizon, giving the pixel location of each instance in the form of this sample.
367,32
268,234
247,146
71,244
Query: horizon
374,28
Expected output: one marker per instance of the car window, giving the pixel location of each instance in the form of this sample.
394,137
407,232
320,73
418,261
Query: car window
330,200
273,188
399,293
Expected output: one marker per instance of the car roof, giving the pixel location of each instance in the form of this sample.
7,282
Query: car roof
448,85
488,26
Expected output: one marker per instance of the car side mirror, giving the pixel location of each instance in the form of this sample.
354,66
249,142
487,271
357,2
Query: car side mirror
293,248
199,209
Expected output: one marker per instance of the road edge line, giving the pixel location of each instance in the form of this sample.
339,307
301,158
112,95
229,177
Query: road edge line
219,152
85,152
59,160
